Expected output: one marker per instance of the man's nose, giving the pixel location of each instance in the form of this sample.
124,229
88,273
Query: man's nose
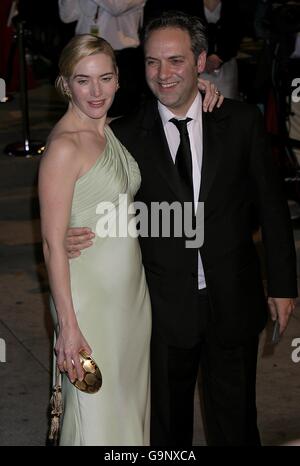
164,71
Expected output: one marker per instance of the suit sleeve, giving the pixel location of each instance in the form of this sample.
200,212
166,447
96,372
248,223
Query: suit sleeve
274,214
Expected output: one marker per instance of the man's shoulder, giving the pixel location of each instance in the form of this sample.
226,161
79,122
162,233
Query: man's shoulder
136,119
237,109
123,122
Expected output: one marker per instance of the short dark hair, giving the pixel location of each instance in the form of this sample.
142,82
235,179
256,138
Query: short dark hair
177,19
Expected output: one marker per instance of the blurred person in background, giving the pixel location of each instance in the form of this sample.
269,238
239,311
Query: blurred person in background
222,20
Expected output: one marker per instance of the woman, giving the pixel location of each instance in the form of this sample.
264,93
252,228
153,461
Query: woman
100,299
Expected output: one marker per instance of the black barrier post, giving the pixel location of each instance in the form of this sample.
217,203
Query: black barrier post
26,148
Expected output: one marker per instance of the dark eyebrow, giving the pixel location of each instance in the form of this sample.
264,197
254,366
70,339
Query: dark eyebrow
169,58
175,56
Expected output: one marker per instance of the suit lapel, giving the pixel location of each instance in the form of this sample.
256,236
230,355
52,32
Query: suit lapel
214,127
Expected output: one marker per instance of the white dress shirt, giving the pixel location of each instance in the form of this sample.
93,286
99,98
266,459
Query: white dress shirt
195,135
118,21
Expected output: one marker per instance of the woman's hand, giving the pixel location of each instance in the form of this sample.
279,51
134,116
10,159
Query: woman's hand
213,96
69,343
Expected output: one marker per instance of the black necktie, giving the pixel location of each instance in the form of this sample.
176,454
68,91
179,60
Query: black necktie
183,161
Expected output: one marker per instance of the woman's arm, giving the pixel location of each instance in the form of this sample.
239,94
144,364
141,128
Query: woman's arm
57,176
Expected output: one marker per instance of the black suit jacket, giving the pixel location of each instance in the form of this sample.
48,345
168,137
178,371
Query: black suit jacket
237,170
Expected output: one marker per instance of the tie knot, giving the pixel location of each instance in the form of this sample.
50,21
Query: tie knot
181,125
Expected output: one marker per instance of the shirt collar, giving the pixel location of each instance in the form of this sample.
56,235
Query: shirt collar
194,111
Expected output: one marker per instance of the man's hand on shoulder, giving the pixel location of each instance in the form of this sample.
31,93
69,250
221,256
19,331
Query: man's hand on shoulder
78,239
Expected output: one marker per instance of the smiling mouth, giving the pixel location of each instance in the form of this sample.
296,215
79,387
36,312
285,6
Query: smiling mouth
96,103
167,85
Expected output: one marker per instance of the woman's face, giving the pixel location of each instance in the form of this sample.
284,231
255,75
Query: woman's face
93,85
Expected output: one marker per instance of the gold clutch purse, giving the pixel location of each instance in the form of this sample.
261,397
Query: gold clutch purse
92,378
91,383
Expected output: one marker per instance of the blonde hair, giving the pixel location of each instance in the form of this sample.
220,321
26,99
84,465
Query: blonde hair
80,46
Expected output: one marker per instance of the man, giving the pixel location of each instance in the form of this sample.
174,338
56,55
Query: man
208,305
223,23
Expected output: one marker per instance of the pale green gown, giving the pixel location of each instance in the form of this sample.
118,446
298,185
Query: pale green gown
112,306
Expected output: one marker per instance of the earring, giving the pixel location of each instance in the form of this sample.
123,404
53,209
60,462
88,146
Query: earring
67,93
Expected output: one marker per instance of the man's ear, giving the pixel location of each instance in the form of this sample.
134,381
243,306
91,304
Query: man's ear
201,62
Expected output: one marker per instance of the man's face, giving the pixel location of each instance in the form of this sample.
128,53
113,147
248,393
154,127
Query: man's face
171,68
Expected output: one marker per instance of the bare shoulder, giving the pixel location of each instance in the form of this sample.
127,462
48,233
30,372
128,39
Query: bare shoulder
61,150
61,143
